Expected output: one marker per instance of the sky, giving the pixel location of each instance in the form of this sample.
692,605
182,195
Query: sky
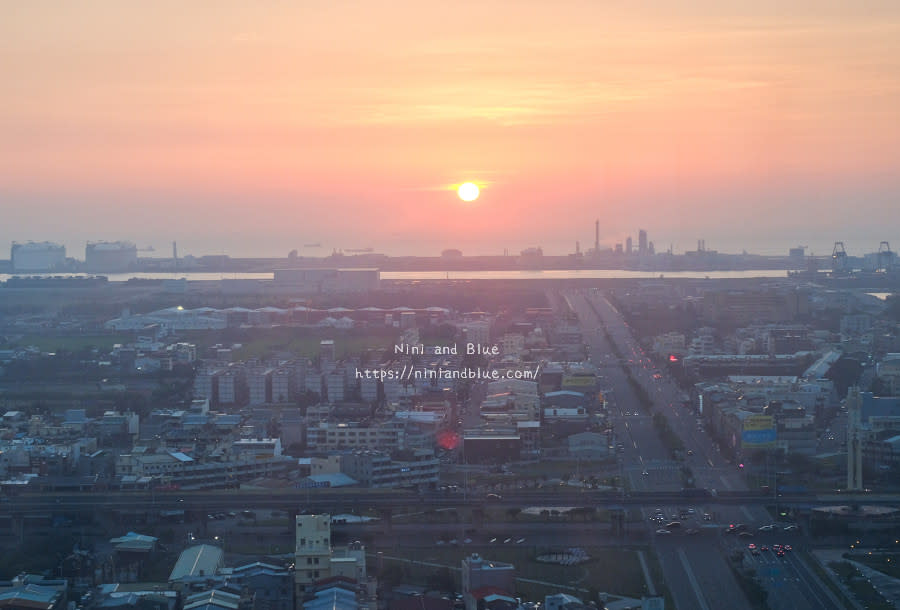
254,128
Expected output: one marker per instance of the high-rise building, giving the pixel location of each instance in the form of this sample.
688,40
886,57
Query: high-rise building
629,246
642,243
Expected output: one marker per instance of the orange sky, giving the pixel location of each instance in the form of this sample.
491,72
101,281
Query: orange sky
254,127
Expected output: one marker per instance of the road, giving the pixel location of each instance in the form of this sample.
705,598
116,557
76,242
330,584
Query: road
696,571
790,583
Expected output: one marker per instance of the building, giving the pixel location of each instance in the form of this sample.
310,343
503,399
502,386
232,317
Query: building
312,553
281,385
669,344
110,256
491,446
588,445
37,257
417,468
195,564
318,565
326,436
271,586
33,592
259,386
563,601
177,468
477,332
481,577
256,448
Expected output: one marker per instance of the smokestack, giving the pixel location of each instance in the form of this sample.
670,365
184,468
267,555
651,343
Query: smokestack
597,236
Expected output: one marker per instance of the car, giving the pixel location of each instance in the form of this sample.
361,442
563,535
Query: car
707,517
520,541
692,531
492,540
746,534
673,524
663,532
467,541
454,542
507,541
779,553
493,497
788,547
763,548
776,547
767,528
440,543
691,511
791,528
645,472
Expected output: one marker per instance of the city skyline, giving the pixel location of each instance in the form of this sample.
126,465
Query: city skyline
231,129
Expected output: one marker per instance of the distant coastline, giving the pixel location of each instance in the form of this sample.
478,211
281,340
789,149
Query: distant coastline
438,275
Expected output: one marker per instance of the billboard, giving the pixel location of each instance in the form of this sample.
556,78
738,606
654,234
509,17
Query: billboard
579,382
758,432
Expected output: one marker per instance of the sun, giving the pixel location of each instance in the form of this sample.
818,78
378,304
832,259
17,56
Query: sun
468,191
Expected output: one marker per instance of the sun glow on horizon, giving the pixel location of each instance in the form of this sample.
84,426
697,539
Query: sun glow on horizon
468,191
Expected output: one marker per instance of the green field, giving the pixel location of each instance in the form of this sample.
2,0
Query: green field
72,343
299,342
308,347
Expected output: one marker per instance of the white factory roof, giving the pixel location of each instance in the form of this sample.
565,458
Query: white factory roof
200,560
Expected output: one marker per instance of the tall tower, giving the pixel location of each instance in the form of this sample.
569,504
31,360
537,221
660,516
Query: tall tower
642,242
854,439
838,257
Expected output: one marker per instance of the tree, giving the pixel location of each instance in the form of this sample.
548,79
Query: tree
844,373
442,580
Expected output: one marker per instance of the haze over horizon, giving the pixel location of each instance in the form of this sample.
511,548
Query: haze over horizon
247,130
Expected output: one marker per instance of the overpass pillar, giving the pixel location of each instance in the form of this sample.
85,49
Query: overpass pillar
478,516
386,515
18,527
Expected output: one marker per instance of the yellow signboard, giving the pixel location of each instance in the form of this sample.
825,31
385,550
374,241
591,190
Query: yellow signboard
759,422
579,381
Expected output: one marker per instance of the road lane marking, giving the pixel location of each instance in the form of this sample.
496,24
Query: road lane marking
692,580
